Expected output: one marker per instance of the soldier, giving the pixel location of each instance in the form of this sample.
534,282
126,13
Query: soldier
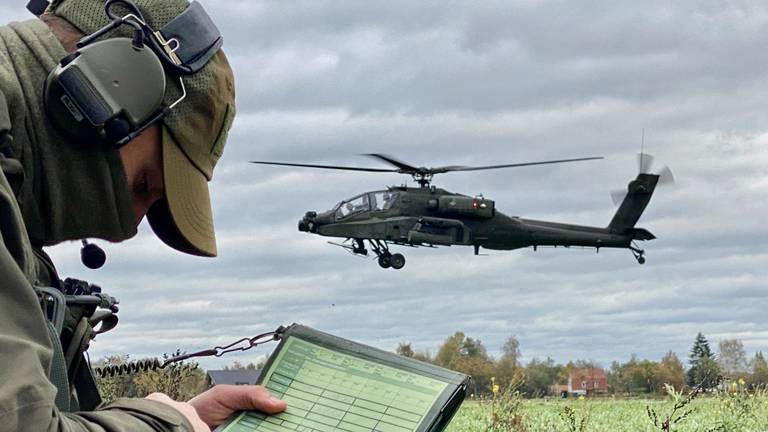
58,184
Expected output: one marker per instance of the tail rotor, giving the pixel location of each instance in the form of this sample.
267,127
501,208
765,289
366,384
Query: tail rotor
645,164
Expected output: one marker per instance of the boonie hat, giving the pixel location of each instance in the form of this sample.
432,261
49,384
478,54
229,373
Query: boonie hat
193,134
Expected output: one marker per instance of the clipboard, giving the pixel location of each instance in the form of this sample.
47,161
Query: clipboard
334,384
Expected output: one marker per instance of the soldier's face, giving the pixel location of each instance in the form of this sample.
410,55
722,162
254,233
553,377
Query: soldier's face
143,163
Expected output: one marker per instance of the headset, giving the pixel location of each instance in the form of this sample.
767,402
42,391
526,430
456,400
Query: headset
113,89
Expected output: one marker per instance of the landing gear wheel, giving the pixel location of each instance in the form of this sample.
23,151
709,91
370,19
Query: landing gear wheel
641,259
385,261
398,261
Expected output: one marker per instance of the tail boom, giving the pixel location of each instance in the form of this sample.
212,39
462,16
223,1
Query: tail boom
639,193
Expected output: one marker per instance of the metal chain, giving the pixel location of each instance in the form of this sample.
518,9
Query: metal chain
243,344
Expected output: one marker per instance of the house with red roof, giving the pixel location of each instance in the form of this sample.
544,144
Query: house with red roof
587,382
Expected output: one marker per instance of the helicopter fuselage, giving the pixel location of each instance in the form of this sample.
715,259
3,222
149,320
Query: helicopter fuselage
430,216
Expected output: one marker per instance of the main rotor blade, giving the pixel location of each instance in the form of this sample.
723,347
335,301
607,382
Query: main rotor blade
390,160
447,169
334,167
404,168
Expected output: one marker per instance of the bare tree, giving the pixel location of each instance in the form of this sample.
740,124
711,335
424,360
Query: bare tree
732,358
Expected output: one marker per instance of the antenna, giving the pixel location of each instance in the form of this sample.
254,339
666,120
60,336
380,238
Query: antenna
642,147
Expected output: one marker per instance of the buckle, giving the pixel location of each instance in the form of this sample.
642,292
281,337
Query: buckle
190,39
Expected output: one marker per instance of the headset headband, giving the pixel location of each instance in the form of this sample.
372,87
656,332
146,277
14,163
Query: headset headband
37,7
198,38
194,35
184,45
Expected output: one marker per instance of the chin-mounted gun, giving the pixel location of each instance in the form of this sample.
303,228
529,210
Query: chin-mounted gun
77,301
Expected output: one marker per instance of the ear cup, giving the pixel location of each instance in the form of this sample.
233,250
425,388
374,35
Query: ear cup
105,91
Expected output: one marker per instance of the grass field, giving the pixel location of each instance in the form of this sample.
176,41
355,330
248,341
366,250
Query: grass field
732,412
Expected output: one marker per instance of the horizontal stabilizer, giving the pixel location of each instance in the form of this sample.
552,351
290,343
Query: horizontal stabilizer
642,234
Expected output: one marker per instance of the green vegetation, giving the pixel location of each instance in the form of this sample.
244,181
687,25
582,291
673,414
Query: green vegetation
180,381
724,411
721,392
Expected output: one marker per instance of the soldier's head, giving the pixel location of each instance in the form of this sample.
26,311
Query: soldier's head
170,163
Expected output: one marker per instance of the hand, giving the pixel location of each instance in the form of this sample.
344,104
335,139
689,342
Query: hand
185,408
218,403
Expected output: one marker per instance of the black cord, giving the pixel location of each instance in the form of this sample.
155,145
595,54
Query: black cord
140,27
141,30
130,368
127,4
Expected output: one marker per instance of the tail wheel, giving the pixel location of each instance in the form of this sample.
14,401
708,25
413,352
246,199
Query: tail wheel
385,260
397,261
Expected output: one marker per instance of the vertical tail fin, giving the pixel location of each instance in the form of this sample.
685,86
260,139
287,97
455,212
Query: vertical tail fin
638,195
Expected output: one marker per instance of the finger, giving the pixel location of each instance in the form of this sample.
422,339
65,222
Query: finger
249,397
264,401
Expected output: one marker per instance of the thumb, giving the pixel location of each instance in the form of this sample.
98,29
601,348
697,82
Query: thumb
264,401
249,397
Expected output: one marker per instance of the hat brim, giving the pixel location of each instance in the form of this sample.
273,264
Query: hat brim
183,219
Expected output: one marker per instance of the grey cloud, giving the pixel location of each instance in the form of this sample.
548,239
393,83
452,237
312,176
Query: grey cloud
495,56
467,83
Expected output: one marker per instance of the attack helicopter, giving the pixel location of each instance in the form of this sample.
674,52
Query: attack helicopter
428,216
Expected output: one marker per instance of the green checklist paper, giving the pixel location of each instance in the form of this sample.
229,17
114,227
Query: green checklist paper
332,384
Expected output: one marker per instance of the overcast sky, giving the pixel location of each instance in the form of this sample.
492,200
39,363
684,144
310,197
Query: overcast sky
443,83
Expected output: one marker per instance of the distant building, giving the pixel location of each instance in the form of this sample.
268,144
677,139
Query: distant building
234,377
560,389
586,382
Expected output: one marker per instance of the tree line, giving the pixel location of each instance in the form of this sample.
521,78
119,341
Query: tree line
537,378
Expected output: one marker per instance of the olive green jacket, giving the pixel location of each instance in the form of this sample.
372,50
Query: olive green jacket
37,184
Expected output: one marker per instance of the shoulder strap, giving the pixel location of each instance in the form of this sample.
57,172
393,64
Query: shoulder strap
88,396
58,372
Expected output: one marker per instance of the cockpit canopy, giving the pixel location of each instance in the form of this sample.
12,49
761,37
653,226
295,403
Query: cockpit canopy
376,201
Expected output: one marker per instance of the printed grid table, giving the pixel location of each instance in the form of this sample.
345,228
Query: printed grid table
329,391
